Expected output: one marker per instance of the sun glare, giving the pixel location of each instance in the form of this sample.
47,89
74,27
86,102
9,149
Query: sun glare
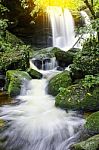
71,4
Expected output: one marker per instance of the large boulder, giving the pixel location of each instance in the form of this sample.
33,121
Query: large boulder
90,144
44,57
63,58
78,97
14,81
61,80
34,73
48,52
92,123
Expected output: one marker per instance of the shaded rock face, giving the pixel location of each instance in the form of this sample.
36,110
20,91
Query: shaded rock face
2,80
40,34
64,59
22,24
37,63
42,64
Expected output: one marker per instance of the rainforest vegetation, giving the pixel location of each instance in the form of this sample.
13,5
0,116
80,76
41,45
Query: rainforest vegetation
76,89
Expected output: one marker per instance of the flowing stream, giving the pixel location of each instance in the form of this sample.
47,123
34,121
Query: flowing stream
34,123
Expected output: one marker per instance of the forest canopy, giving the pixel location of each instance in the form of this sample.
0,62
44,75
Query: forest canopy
71,4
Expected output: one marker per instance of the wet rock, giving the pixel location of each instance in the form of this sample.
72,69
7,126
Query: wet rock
14,81
34,74
89,144
61,80
92,123
64,59
37,63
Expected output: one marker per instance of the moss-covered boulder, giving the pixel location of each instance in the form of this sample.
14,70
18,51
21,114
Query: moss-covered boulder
34,73
14,81
78,97
92,123
45,53
90,144
65,58
61,80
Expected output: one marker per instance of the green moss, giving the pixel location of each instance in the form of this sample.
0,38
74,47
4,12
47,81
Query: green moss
91,100
2,123
34,74
86,62
61,80
45,53
70,97
90,144
14,81
92,123
78,97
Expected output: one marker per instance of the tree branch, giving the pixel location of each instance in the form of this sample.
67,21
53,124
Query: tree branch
90,8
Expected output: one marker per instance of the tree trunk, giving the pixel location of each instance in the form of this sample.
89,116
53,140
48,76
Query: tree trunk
90,8
92,3
92,12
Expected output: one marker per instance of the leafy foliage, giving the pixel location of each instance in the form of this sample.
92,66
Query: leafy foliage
87,60
90,81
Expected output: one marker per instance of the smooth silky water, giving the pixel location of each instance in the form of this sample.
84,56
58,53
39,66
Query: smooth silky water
34,123
63,28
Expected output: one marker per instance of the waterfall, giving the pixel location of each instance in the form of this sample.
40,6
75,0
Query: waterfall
62,27
43,63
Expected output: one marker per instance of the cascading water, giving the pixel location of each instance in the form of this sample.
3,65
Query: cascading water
35,123
62,27
85,17
43,64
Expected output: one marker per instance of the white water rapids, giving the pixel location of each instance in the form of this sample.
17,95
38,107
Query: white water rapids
35,123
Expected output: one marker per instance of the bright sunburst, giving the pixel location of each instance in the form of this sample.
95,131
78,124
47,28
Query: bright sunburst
73,4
